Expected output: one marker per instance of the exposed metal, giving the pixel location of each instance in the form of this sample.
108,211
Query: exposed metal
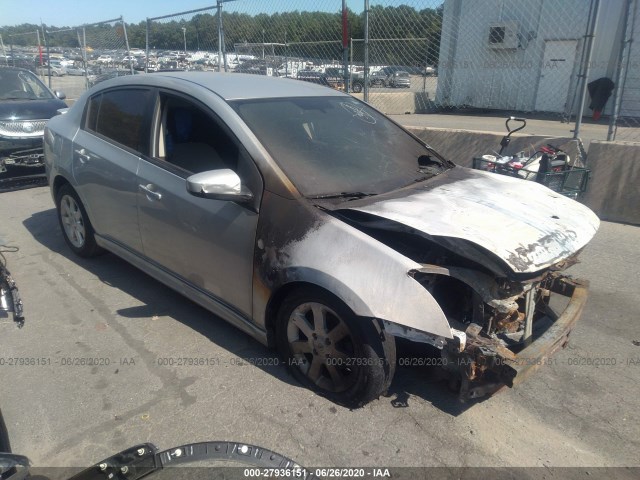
469,205
10,301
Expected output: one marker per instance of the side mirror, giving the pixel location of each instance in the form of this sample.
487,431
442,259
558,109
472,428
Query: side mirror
60,95
223,184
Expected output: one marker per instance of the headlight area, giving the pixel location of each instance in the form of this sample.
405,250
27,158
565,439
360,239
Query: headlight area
502,330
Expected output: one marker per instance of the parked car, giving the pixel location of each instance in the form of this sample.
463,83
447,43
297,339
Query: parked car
320,78
95,78
25,106
75,71
104,59
378,78
56,70
319,226
399,79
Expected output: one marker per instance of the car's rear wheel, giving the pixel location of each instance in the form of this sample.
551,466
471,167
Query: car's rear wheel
356,87
327,348
75,224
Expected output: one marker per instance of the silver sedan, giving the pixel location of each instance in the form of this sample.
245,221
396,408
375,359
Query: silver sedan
319,226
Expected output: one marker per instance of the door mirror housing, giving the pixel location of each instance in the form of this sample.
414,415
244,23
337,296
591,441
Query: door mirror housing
223,184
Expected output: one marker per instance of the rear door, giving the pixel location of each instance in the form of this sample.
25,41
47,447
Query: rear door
106,155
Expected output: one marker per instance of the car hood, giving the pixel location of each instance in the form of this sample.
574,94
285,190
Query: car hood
30,109
526,225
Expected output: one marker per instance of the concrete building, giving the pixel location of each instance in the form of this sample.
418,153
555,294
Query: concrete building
527,55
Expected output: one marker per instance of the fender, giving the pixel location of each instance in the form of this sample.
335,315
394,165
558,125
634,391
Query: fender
368,276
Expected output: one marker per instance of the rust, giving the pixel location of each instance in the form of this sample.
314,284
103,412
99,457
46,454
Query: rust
510,322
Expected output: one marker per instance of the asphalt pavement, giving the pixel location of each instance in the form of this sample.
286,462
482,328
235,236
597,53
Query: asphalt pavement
109,357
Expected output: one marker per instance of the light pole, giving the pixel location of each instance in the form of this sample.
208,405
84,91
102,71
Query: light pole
184,35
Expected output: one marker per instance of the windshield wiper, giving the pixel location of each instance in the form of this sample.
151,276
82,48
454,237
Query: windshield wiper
352,195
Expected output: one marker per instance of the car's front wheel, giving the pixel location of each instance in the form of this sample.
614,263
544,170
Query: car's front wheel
356,87
75,224
327,348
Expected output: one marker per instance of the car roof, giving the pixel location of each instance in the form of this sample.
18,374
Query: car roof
231,86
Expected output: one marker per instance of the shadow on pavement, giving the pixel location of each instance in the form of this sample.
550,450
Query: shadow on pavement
156,298
426,382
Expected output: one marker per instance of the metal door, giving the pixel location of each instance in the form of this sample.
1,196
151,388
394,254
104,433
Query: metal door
207,243
106,182
555,77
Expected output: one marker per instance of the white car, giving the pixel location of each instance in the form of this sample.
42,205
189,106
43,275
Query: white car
104,59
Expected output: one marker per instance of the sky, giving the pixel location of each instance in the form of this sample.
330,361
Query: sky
71,13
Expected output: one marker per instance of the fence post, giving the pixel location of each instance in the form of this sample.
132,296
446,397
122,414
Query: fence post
46,46
126,42
4,53
589,40
366,50
345,46
83,48
625,48
219,36
146,48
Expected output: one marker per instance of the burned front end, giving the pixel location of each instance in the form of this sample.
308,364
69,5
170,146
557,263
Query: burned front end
507,312
502,329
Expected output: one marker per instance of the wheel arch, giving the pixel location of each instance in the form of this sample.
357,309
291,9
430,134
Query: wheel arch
322,283
58,182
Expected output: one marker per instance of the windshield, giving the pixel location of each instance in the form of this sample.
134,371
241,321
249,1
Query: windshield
331,145
20,84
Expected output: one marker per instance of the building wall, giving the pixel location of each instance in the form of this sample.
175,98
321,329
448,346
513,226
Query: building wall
630,105
473,74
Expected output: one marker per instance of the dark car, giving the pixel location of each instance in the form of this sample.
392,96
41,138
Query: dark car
321,78
399,79
26,105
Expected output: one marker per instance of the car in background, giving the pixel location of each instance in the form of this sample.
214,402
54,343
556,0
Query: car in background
26,104
377,79
96,78
330,79
55,69
75,71
104,59
317,225
399,79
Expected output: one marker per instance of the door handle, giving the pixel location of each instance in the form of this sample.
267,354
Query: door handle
83,156
150,193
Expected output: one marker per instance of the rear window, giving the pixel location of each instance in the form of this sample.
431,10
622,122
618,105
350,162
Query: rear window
119,115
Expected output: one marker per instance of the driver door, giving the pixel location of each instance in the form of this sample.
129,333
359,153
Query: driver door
207,244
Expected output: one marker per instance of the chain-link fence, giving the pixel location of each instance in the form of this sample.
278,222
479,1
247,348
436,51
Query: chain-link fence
625,116
551,59
76,58
182,40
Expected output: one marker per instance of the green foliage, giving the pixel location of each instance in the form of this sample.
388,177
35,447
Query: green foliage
298,29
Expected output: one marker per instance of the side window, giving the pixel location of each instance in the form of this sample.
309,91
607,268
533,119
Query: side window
190,138
119,115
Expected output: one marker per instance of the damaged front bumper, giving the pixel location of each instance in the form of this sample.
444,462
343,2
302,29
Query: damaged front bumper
484,364
31,157
22,169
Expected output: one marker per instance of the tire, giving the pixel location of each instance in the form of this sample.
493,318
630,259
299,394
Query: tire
75,224
356,87
347,359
